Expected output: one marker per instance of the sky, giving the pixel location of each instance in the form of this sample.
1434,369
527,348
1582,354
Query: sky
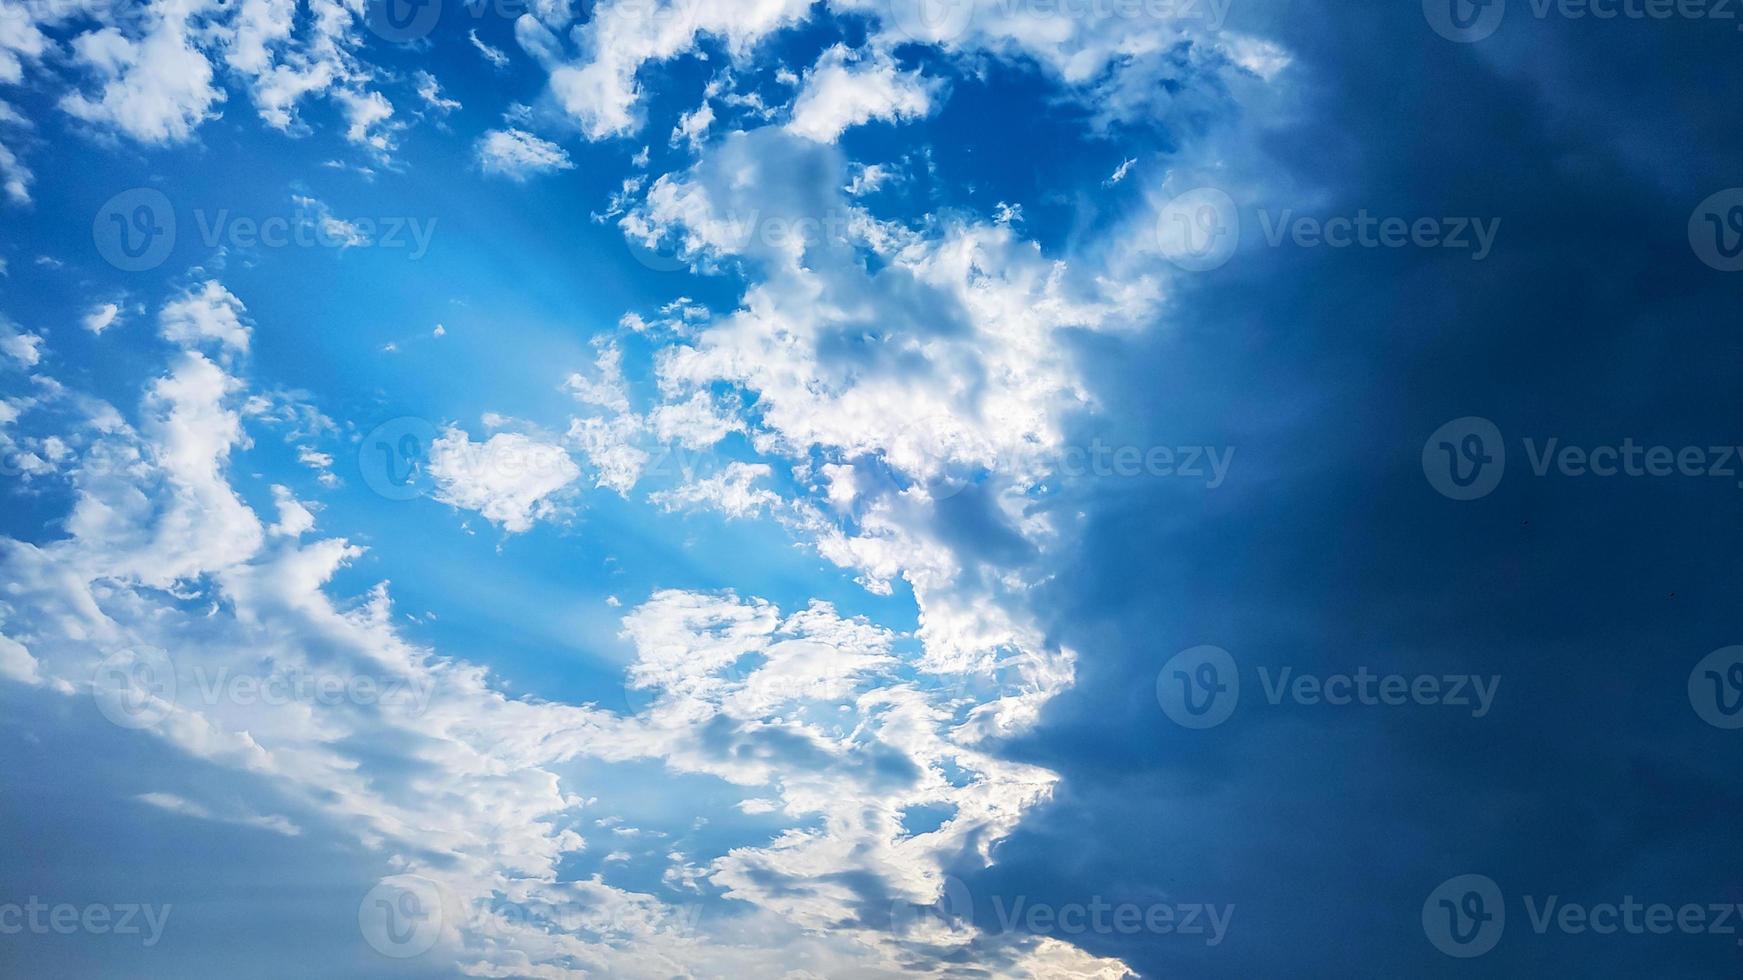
958,488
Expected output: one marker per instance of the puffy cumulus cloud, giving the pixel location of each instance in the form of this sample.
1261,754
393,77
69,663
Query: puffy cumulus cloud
154,72
509,478
730,491
518,154
845,89
15,177
205,314
598,87
932,381
21,40
163,577
155,86
23,348
617,441
1125,62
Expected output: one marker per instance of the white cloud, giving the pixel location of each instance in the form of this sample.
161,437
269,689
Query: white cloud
692,127
430,91
205,314
845,89
15,177
188,808
802,709
599,89
518,154
101,317
728,491
155,88
495,56
22,347
366,118
508,478
294,517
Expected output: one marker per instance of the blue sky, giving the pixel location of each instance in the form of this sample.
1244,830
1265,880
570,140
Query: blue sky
784,489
